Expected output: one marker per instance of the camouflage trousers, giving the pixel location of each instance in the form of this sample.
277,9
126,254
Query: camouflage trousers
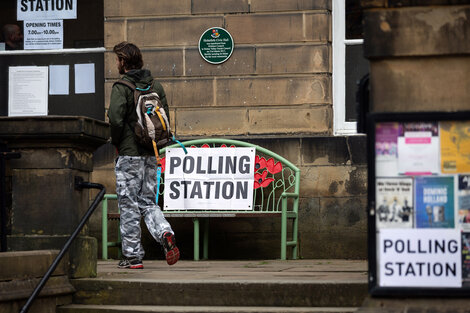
136,184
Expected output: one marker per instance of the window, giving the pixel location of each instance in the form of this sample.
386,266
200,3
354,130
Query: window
82,45
86,31
349,65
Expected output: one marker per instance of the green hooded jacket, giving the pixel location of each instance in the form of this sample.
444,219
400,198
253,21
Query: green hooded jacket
122,115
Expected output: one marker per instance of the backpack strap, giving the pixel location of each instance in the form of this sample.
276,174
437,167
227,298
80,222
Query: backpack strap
159,169
134,89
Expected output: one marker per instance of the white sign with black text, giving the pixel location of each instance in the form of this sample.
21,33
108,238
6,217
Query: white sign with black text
209,179
28,10
47,34
27,90
419,258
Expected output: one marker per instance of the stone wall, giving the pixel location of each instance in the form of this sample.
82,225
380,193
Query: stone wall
275,90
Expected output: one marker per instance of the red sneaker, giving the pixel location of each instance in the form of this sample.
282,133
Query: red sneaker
172,253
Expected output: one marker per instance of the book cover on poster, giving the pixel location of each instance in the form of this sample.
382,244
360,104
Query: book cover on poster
394,202
455,146
466,258
386,157
463,196
434,202
418,148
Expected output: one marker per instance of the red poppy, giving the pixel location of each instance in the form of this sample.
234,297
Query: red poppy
261,180
273,168
260,163
162,162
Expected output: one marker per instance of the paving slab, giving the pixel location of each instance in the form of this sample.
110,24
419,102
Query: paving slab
334,271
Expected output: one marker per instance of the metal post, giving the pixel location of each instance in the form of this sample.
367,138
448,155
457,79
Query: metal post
104,229
205,247
196,238
284,229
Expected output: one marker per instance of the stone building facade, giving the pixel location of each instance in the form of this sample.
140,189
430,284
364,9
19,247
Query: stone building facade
275,90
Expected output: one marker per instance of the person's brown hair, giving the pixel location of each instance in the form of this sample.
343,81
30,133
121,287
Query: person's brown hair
130,54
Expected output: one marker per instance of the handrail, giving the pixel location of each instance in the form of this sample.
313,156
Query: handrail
79,184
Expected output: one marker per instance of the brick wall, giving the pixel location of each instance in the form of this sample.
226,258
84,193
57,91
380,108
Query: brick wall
274,90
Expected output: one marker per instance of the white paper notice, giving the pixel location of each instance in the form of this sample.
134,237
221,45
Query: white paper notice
58,79
27,90
419,258
44,34
85,78
46,10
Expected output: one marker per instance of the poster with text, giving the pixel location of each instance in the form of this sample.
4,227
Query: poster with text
455,146
419,258
463,196
27,90
46,10
466,257
43,35
209,179
394,202
418,148
434,202
386,157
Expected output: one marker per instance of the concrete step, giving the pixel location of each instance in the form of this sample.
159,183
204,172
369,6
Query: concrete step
20,273
229,293
297,283
79,308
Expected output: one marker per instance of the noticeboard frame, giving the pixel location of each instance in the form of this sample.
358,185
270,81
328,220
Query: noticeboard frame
401,117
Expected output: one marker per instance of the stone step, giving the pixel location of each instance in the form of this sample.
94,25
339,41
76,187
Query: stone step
219,293
21,272
79,308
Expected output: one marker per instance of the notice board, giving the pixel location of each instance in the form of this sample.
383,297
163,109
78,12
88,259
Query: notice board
72,101
419,203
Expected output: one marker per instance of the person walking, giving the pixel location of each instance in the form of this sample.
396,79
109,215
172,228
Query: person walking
135,166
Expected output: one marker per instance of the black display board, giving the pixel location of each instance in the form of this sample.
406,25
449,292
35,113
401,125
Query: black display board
90,104
418,202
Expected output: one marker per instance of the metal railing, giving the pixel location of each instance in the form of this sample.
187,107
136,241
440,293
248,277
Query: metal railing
79,184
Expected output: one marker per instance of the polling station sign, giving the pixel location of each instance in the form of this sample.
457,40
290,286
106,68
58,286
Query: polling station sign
209,179
30,10
420,258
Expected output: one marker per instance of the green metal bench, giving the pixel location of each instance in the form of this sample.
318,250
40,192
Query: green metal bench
276,180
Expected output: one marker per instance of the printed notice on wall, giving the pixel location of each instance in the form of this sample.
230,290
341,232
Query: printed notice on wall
434,202
46,9
420,258
418,148
43,35
386,149
27,90
209,179
455,146
58,79
84,78
394,202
